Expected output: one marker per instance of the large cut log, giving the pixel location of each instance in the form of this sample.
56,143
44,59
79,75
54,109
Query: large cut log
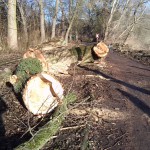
42,93
101,49
83,53
91,53
45,134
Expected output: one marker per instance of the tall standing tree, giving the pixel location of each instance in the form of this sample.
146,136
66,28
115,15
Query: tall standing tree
70,17
72,21
54,20
42,20
24,21
62,19
113,9
12,25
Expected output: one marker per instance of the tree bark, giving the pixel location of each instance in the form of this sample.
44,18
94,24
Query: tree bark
114,5
77,36
54,20
24,22
62,20
12,25
42,21
71,23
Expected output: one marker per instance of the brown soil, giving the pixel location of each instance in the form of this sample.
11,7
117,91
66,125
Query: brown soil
111,112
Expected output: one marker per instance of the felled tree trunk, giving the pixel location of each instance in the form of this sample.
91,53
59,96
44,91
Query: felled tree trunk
42,93
51,128
89,54
83,53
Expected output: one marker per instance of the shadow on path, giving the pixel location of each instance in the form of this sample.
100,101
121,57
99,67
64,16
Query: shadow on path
137,102
142,90
140,68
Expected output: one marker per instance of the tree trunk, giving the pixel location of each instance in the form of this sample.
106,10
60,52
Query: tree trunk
54,20
77,36
12,25
42,21
114,6
71,23
24,22
62,21
70,36
122,14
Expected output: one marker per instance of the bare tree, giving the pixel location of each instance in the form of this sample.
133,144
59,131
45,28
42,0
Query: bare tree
130,28
114,6
42,20
62,19
70,17
54,19
71,22
12,25
24,21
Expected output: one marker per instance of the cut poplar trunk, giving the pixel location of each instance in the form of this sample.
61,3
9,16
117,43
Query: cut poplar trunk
45,134
101,49
42,93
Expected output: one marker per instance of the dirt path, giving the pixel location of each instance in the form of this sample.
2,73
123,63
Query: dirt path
133,82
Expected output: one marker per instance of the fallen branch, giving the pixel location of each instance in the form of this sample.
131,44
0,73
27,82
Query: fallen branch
72,128
46,133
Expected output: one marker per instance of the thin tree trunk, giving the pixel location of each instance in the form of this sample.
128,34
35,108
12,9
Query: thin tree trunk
54,20
77,36
114,6
71,22
122,14
70,35
12,25
24,22
42,21
62,21
130,28
135,22
70,16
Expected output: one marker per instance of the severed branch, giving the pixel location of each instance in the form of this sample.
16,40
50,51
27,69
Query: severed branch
46,133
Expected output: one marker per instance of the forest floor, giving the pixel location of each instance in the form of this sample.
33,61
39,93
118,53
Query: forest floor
112,111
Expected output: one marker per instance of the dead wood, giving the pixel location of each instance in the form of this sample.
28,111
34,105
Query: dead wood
42,93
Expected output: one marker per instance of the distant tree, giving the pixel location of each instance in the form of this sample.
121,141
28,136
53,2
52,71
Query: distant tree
12,25
78,2
63,28
24,20
113,9
42,21
3,24
54,20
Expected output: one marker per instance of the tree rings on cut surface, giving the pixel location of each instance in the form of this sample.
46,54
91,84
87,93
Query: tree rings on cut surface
42,93
101,49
